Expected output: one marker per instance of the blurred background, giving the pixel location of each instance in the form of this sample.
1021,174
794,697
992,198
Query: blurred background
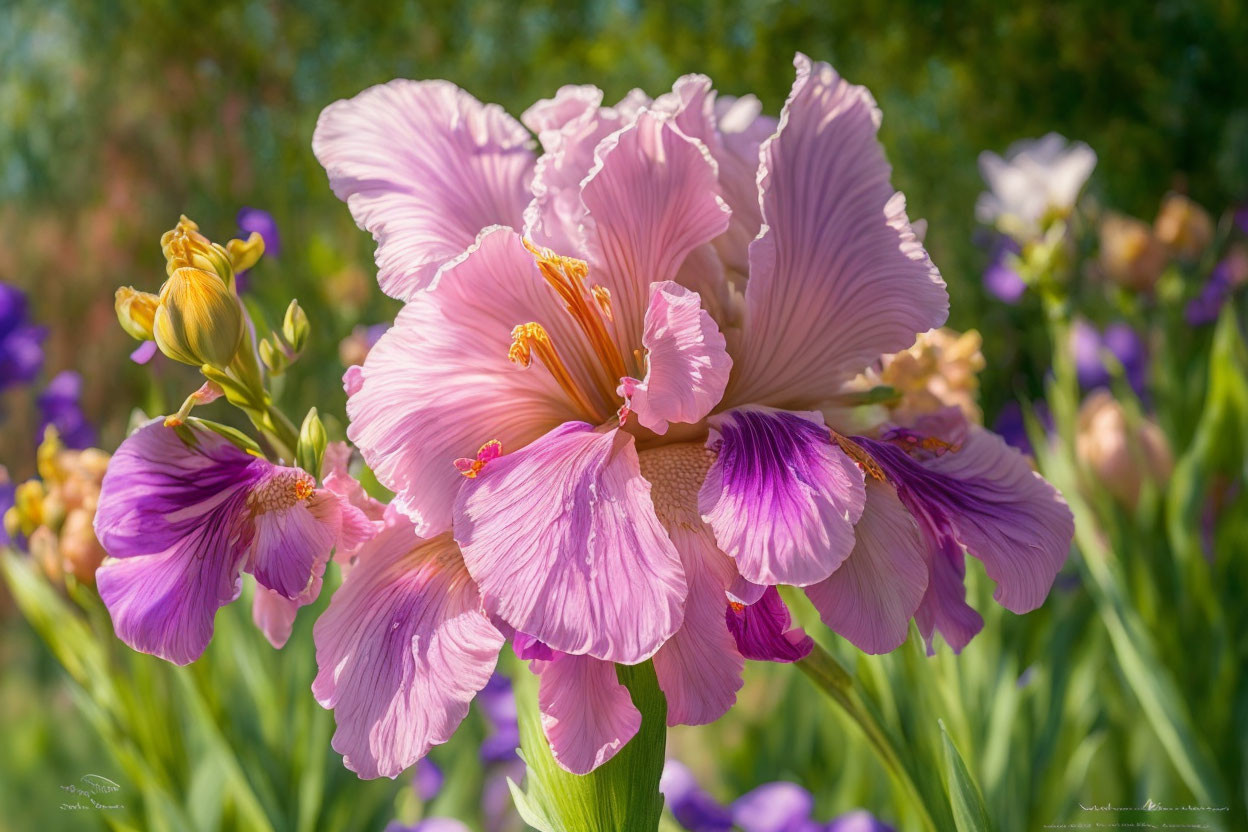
117,117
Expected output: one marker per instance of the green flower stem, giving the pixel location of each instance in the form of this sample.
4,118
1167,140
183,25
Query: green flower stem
834,680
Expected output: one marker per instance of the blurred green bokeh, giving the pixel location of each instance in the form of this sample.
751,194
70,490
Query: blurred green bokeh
116,117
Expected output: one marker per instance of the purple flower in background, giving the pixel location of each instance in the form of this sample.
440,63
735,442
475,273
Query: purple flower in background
691,805
1011,426
60,407
257,221
1000,278
428,779
772,807
21,342
1229,273
182,521
499,706
1120,340
1241,217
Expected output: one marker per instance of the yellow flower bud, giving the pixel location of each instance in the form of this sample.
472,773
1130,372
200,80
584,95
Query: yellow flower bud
28,503
244,254
184,247
199,320
136,311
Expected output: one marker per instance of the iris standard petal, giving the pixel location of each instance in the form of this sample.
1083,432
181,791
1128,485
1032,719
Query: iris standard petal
425,167
838,277
652,197
438,385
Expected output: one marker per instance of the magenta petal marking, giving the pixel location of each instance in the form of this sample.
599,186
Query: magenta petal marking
781,497
763,630
986,497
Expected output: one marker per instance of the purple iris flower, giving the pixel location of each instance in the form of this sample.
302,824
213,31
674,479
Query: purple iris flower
772,807
1000,278
261,222
1121,341
427,780
184,513
1011,426
21,342
60,407
1206,306
499,706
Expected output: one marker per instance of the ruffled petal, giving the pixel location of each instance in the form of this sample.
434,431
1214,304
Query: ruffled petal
652,197
944,608
439,385
686,363
838,277
782,499
290,539
401,650
158,490
732,130
699,668
872,596
764,632
563,540
587,715
986,496
425,167
165,603
274,614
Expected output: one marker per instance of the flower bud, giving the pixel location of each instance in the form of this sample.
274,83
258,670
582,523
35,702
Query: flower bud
273,356
1183,226
295,326
184,247
1119,455
312,442
199,320
136,312
1131,255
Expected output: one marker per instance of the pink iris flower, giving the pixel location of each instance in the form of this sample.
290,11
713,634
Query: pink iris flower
607,409
182,521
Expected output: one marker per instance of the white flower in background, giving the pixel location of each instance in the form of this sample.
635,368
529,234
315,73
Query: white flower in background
1036,179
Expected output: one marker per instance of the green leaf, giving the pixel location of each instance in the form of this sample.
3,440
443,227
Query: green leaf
969,814
619,796
234,435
